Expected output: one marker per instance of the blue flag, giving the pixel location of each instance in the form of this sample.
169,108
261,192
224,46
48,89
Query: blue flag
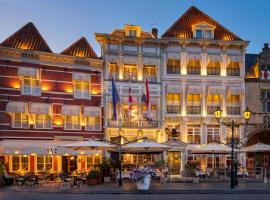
115,99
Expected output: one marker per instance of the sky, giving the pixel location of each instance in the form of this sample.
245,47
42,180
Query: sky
62,22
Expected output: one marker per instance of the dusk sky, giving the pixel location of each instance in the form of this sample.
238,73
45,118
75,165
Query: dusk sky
62,22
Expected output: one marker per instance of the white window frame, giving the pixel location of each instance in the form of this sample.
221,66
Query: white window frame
44,163
65,123
93,161
20,163
130,75
13,120
31,85
82,92
203,27
194,133
213,131
43,121
93,129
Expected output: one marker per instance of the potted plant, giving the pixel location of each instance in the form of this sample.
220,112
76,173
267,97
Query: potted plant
191,170
105,168
221,171
142,177
93,177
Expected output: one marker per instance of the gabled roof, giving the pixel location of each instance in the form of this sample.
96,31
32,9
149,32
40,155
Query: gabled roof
27,38
183,26
80,48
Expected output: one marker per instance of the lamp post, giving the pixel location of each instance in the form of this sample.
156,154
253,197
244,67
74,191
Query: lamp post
232,125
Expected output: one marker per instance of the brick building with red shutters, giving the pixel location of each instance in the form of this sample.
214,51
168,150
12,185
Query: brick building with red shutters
48,99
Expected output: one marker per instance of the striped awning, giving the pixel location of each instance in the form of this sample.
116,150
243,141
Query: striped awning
17,107
40,108
71,110
80,77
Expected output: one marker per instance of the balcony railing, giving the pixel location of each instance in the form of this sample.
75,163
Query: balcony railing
233,71
173,109
233,110
196,70
114,75
134,124
173,70
211,109
213,71
130,77
193,110
211,139
151,79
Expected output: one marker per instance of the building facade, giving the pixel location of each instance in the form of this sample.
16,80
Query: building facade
257,99
48,99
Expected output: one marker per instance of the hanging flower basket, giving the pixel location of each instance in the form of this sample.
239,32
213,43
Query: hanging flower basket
142,177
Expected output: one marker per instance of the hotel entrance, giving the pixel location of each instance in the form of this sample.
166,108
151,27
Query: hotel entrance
174,162
69,164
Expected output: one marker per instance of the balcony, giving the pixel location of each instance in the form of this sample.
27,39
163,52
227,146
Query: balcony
114,75
151,79
194,70
130,77
233,71
233,110
173,70
173,109
134,124
193,110
211,109
213,71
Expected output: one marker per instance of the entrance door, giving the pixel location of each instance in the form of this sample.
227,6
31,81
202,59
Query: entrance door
65,164
174,162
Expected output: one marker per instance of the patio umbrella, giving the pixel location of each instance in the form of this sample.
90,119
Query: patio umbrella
145,146
212,149
90,145
259,147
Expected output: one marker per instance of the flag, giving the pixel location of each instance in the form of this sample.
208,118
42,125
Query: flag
146,100
130,102
115,99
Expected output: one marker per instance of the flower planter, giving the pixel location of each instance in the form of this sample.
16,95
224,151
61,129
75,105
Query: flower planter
92,181
107,179
144,184
195,180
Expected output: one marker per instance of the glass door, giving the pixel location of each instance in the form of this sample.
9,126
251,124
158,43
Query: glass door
174,162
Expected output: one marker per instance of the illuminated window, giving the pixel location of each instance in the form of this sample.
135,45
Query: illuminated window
235,135
213,161
130,72
213,68
203,30
194,67
213,134
213,101
93,123
43,121
20,120
173,103
233,105
92,161
113,71
132,33
44,163
82,90
20,163
31,85
150,72
173,66
233,69
72,123
193,136
194,104
265,100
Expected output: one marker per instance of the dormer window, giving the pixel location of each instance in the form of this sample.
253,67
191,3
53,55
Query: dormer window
203,31
132,33
133,30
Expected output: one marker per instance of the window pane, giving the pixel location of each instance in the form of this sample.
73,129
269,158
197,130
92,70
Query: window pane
198,33
207,34
15,163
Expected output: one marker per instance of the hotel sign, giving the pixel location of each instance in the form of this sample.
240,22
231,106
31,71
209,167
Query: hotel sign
52,150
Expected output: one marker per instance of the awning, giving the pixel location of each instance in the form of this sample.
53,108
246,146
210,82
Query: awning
27,71
259,147
40,147
91,111
174,89
194,56
215,90
40,108
80,77
235,91
235,58
71,110
194,90
145,146
214,58
175,145
17,107
89,145
211,149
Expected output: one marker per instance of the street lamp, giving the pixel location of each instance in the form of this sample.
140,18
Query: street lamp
232,125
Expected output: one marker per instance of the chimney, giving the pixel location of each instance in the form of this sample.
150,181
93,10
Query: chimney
155,32
266,45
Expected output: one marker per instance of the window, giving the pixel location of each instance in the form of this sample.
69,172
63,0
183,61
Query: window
20,120
132,33
113,71
31,85
194,67
150,72
173,66
213,101
265,100
72,123
20,163
130,72
235,135
193,136
233,69
213,134
92,161
233,106
199,34
43,121
213,68
208,34
82,90
93,123
203,30
194,104
213,161
194,158
173,103
44,163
